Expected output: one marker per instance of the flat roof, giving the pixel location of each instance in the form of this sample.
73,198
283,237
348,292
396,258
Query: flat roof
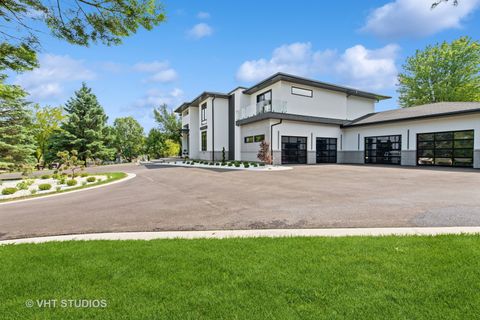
280,76
291,117
200,98
431,110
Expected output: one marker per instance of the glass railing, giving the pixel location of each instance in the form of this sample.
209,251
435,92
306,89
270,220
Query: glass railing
252,110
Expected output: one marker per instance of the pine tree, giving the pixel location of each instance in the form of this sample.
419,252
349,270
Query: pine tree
16,142
85,128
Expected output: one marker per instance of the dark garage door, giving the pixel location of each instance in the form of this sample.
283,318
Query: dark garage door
452,149
294,150
326,150
383,149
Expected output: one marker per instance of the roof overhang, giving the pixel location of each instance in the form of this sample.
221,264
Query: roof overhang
422,117
204,95
313,83
291,117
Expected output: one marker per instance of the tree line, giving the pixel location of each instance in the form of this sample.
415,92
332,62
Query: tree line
40,136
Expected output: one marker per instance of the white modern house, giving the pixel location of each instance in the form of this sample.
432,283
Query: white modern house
310,122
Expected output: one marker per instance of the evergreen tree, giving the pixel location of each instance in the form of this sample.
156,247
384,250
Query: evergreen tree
16,142
85,128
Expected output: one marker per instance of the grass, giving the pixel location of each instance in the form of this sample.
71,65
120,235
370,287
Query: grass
282,278
111,176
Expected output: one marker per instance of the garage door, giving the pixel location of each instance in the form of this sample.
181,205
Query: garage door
452,149
326,150
383,149
294,150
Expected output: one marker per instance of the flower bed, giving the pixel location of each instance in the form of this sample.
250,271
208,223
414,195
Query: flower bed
21,188
228,165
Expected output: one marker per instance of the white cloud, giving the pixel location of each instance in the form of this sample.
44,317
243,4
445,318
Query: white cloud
415,18
160,71
203,15
200,30
55,71
357,66
155,97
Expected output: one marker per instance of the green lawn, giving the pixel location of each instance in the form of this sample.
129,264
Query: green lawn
282,278
111,176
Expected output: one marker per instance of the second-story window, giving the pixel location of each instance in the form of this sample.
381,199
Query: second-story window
266,96
203,113
185,113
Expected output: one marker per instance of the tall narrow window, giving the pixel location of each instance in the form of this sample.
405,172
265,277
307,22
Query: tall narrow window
204,140
203,113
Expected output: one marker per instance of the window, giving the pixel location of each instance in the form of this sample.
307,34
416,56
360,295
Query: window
204,140
249,139
452,148
302,92
185,113
383,149
252,139
266,96
203,113
259,138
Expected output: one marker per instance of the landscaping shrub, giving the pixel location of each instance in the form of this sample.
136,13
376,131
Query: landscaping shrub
55,172
84,183
44,186
91,179
192,163
262,164
58,188
24,184
84,175
55,176
217,163
246,165
71,182
210,164
237,164
61,181
33,191
255,165
230,164
8,191
223,164
45,176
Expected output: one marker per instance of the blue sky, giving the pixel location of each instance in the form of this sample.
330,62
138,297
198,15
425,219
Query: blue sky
218,45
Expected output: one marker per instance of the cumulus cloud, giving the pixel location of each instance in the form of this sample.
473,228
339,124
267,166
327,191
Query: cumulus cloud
200,30
55,71
203,15
155,97
415,18
160,71
357,66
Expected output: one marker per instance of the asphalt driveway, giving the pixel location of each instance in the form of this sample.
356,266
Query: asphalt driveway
175,198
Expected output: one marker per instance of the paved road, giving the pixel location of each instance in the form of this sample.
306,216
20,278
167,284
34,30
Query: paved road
332,196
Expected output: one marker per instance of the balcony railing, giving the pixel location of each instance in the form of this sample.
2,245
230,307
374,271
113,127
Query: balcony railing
252,110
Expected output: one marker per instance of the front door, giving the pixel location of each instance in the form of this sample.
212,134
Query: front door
326,150
294,150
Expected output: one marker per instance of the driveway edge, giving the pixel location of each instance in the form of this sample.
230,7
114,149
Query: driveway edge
270,233
128,177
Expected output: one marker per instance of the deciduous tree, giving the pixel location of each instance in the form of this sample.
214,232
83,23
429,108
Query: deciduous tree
46,121
443,72
129,137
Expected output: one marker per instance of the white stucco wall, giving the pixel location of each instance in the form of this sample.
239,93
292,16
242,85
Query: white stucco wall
465,122
194,147
358,106
302,129
221,124
249,151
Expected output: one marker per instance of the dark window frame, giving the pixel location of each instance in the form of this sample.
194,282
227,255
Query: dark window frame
258,138
301,95
371,153
437,151
204,140
248,138
263,94
203,113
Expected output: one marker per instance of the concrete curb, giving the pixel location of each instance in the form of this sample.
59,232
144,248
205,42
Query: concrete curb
128,177
271,233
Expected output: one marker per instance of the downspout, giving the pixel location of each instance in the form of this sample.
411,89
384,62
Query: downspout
213,129
271,137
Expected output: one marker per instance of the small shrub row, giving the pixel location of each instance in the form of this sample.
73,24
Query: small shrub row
8,191
91,179
44,186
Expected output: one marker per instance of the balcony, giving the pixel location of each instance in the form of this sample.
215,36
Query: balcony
278,106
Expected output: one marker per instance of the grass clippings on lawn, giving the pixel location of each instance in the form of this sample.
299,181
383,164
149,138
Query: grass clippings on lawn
263,278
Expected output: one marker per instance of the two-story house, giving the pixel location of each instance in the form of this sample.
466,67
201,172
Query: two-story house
308,122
